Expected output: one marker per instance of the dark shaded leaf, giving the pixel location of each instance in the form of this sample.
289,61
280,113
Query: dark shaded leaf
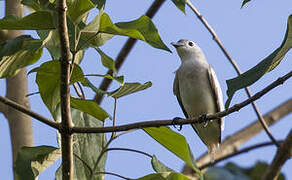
18,53
34,21
165,176
180,4
48,81
244,2
129,88
86,146
174,142
31,161
99,3
90,107
77,9
159,166
266,65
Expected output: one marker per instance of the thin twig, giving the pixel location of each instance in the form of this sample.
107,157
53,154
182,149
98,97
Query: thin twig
126,49
114,174
244,150
29,112
235,66
77,91
114,117
128,149
31,94
83,162
283,154
158,123
66,124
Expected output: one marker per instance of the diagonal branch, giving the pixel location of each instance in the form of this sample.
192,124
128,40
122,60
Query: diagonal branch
158,123
283,154
126,49
28,112
235,66
66,124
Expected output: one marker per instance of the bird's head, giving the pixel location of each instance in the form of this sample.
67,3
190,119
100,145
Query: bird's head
187,49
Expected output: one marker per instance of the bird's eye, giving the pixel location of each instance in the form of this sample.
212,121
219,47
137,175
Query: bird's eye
191,43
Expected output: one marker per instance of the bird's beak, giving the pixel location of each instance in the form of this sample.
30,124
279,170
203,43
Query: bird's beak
176,45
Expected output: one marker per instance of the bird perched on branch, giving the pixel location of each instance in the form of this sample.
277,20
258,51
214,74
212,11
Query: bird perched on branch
199,93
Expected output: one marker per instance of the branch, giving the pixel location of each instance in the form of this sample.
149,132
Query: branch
29,112
158,123
235,66
234,141
283,154
126,49
128,149
66,124
235,153
114,174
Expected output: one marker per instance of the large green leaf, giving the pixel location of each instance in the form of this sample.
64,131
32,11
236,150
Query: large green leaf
142,29
77,9
129,88
18,53
86,146
180,4
158,166
31,161
165,176
172,141
107,61
90,107
266,65
48,81
37,20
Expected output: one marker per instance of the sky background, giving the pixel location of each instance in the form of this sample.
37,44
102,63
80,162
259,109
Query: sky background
249,35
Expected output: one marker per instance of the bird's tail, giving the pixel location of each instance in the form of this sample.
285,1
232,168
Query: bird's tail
212,150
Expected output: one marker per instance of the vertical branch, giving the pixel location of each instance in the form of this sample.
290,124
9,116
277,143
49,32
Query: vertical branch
20,125
66,124
235,66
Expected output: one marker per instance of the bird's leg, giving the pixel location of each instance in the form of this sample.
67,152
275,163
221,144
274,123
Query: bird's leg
204,117
174,123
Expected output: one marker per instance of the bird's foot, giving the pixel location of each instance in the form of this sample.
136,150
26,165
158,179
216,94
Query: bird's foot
203,118
174,123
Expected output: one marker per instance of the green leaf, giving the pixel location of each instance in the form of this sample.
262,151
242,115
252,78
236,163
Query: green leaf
99,3
18,53
244,2
165,176
87,83
119,79
180,4
86,146
107,61
159,166
35,21
77,9
31,161
174,142
90,35
48,81
90,107
266,65
129,88
142,29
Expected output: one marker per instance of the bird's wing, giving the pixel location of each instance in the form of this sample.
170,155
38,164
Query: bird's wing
177,94
217,93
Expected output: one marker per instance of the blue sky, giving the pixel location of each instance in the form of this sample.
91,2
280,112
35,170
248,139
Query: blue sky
249,34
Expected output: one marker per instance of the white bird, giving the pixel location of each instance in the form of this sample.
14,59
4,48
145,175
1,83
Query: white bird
199,93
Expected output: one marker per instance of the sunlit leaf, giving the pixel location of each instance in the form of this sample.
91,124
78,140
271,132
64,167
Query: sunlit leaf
180,4
31,161
142,29
266,65
159,166
77,9
130,88
35,21
90,107
48,81
18,53
87,147
107,61
172,141
165,176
